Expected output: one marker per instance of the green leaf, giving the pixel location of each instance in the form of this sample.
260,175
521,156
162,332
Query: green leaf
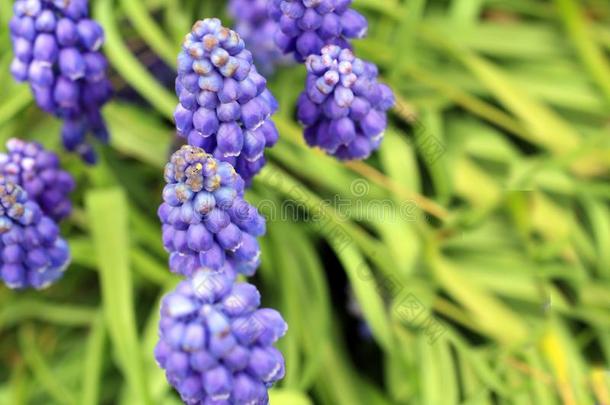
14,101
128,65
41,370
288,397
150,31
592,55
465,12
107,213
92,366
136,133
491,315
24,309
366,291
599,217
399,160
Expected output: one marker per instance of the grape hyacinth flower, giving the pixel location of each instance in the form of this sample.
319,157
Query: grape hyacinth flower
56,49
33,254
38,172
258,31
224,102
343,107
206,221
306,26
216,345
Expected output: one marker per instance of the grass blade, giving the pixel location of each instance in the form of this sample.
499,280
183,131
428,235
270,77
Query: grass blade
128,65
591,54
93,362
41,370
107,212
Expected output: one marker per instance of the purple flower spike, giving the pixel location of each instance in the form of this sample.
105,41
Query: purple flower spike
38,172
56,49
308,25
206,221
216,345
258,31
343,107
224,101
33,254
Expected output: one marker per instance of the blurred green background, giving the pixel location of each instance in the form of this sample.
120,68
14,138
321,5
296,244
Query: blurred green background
467,262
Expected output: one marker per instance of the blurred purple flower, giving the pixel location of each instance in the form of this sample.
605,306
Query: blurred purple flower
38,172
56,49
306,26
258,30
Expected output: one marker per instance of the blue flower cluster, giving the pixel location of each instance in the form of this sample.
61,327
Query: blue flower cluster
343,106
216,344
56,49
33,253
258,31
306,26
38,172
206,221
225,106
34,197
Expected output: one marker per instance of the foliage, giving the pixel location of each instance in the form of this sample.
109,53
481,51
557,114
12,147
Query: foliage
475,242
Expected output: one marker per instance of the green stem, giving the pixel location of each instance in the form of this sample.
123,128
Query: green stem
110,234
59,314
93,361
150,31
128,65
